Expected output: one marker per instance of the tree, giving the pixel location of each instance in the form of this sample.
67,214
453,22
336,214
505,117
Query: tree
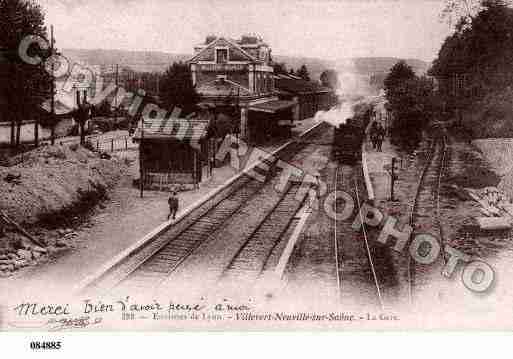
476,59
24,86
279,68
177,90
303,73
329,78
410,99
399,74
103,109
460,11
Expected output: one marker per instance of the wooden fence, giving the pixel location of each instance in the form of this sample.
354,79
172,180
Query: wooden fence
113,144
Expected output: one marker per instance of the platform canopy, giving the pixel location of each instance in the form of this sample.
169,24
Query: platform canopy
272,106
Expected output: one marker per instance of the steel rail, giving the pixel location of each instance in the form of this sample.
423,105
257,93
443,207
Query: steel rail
265,221
335,240
369,254
434,149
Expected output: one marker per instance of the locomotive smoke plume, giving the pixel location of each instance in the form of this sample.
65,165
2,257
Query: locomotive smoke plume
337,115
352,87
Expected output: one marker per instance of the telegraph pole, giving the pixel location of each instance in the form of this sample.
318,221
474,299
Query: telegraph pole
52,100
15,106
141,159
158,86
116,96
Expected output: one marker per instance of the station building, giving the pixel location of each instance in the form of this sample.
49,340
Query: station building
239,93
309,97
235,77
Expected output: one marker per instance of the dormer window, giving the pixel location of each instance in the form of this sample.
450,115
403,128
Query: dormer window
221,56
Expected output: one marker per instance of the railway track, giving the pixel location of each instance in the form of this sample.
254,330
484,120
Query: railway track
152,272
258,251
352,248
425,210
149,265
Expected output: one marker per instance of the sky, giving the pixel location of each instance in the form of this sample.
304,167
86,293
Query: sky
324,28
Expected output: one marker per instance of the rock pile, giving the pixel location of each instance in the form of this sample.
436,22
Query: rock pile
17,251
12,261
496,207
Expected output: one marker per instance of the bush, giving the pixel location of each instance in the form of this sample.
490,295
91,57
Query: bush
89,146
491,117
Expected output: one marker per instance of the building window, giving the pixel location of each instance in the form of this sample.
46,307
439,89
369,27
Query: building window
222,56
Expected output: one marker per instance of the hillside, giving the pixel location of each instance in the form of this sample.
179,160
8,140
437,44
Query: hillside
314,65
373,65
158,61
144,61
360,65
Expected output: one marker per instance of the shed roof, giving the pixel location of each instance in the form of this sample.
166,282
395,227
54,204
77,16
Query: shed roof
272,106
172,128
222,88
299,86
61,108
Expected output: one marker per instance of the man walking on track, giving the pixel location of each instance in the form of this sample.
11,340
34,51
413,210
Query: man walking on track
173,205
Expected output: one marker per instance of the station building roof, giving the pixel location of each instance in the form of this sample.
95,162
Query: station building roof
272,106
61,108
296,86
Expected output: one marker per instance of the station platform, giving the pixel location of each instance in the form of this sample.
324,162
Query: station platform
377,167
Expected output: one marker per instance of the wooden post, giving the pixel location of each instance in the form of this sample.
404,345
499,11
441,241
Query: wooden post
20,229
36,131
194,168
52,98
116,98
14,104
19,121
393,178
112,144
141,161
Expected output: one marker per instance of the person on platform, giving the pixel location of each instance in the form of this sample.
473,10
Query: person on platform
373,134
316,186
380,136
173,205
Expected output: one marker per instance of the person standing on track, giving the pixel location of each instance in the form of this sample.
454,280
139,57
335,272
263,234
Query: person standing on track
173,205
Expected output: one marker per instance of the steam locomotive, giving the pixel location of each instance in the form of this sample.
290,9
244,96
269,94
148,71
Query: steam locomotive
348,139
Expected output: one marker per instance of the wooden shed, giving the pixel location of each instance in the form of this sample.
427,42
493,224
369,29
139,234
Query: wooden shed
174,151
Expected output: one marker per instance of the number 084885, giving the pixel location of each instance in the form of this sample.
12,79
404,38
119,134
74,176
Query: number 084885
45,345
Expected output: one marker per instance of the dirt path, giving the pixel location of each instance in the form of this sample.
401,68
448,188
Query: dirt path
112,227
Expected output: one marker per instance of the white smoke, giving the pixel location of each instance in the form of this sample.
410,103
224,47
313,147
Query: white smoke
337,115
352,88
